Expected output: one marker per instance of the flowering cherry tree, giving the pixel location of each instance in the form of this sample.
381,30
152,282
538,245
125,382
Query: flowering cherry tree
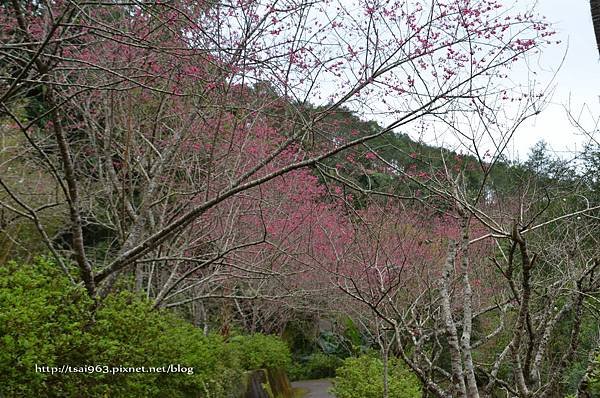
153,119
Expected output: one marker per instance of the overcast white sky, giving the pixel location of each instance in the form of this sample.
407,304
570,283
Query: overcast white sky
577,81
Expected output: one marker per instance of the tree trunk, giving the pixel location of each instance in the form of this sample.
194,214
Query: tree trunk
465,341
384,352
595,9
459,389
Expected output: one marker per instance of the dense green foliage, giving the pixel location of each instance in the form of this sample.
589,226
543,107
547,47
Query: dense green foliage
362,377
315,366
318,353
258,351
46,321
594,386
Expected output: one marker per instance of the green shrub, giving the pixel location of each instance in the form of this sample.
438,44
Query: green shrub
362,377
594,385
45,321
258,351
315,366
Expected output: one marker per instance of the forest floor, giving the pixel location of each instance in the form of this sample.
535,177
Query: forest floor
314,388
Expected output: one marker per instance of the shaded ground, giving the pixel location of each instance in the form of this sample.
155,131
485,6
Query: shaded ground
314,388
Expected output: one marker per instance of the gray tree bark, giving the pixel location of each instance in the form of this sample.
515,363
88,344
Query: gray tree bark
595,9
458,382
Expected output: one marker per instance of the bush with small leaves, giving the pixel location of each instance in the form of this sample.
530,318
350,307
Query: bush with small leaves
45,321
259,351
315,366
594,384
362,377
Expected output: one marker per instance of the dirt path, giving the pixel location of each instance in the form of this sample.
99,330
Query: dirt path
315,388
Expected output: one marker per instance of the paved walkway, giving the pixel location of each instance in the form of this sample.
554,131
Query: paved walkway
315,388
